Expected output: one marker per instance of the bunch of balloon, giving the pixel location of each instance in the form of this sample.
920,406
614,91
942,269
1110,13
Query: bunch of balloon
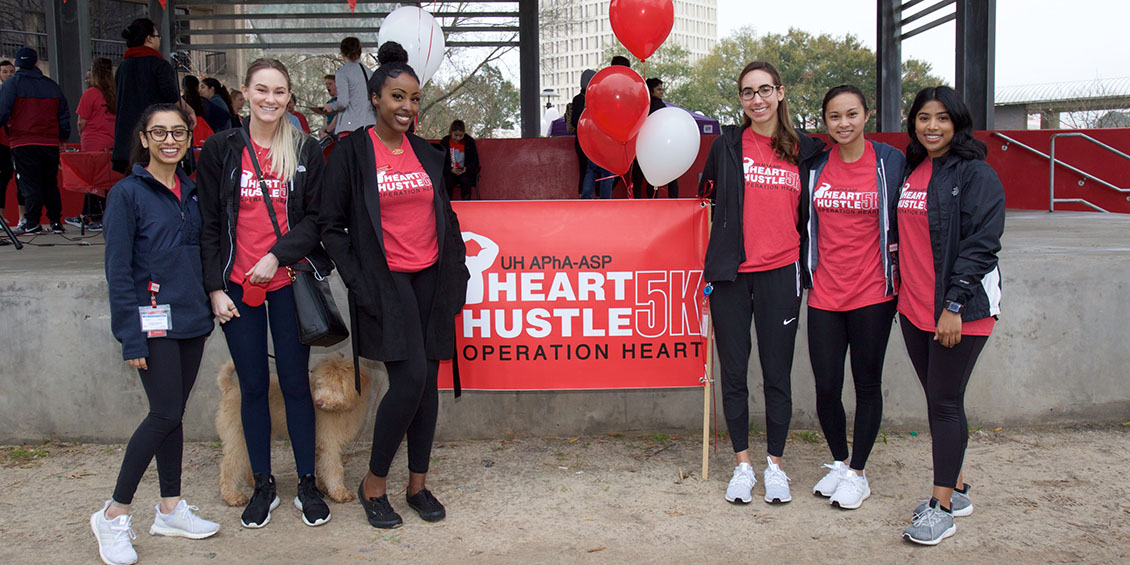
419,34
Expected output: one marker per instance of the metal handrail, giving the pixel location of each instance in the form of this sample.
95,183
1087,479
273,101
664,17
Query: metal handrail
1053,162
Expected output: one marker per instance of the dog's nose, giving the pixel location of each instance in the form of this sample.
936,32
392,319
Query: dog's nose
318,403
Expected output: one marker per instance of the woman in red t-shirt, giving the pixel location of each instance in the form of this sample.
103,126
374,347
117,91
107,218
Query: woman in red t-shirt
757,175
246,273
950,222
851,304
96,111
389,226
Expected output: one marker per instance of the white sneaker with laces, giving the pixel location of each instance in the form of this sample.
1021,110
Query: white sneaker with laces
828,484
776,483
741,484
851,493
182,522
114,537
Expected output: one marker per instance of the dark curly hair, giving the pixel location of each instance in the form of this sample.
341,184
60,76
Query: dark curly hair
393,61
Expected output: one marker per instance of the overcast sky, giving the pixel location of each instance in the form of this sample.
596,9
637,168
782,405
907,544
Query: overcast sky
1038,41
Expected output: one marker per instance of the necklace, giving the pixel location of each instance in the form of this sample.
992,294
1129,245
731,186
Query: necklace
398,151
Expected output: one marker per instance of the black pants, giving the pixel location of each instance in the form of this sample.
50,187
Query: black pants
866,331
173,364
464,181
412,402
37,170
771,299
639,182
93,206
944,374
6,172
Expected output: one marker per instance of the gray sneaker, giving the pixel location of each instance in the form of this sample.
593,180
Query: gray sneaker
960,504
930,527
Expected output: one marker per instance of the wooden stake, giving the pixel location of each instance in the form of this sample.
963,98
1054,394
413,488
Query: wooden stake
707,393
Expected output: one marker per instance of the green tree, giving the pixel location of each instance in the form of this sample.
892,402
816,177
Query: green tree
670,63
486,101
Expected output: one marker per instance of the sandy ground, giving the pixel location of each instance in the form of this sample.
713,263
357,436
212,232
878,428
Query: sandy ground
1042,495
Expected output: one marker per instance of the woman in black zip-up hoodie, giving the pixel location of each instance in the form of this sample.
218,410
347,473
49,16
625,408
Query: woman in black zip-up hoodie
757,175
950,222
246,273
160,314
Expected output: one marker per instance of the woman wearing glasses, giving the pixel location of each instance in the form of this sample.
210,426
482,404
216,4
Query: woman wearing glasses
246,273
160,314
757,175
144,78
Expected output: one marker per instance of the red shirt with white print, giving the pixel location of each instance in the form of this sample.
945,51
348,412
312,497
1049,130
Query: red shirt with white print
408,213
916,258
849,269
254,233
770,214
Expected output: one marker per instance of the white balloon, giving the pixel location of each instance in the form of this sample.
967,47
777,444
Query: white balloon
667,145
419,34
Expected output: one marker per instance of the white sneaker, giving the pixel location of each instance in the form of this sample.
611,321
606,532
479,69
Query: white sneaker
828,484
776,483
741,484
114,537
851,493
182,523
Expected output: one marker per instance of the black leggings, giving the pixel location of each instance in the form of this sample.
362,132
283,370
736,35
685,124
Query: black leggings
866,331
37,169
771,299
173,364
944,374
412,402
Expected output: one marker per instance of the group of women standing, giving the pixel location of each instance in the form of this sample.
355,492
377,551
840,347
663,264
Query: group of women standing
869,232
179,255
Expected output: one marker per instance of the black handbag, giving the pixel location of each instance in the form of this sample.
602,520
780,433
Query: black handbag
319,321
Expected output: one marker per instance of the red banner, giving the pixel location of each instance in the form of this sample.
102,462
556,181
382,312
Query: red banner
582,294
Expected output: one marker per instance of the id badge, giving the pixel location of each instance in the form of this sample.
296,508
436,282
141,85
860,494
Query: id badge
156,320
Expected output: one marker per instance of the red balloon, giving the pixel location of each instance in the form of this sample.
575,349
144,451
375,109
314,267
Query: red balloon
615,156
642,25
618,100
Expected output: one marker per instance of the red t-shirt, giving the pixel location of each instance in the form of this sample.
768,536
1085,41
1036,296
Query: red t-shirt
254,233
302,122
176,190
916,258
457,154
408,213
849,268
772,194
98,134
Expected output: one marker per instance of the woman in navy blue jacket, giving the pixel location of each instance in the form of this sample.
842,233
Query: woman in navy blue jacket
161,315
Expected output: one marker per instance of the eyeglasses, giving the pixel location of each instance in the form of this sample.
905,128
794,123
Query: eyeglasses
764,91
159,134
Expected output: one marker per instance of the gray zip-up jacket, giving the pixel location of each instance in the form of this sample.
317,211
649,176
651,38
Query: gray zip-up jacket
889,170
353,98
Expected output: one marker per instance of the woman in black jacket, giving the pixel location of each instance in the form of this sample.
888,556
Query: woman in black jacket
160,314
950,222
757,174
389,226
144,78
462,167
247,264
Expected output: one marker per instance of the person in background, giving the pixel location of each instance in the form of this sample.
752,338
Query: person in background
237,102
851,230
655,88
292,110
950,222
592,175
190,95
144,78
331,88
35,131
96,111
462,166
757,175
217,101
152,262
7,69
352,98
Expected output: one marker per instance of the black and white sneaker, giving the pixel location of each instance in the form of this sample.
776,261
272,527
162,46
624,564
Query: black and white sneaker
426,505
258,512
378,511
57,227
27,229
309,501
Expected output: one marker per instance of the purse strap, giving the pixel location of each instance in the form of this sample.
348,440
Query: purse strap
262,183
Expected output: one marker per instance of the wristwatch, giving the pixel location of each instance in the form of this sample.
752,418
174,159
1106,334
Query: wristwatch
954,307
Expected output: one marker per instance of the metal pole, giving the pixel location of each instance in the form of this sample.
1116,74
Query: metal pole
68,50
528,67
163,17
888,83
976,58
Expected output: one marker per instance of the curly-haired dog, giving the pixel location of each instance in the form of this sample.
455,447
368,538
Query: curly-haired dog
338,415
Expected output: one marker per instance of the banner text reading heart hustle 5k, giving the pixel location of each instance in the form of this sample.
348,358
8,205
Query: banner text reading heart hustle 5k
582,294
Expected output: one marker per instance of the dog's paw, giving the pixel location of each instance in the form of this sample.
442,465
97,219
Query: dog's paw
236,499
342,495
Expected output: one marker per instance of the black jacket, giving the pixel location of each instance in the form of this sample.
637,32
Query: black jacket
723,179
471,157
151,236
218,175
965,208
351,229
144,78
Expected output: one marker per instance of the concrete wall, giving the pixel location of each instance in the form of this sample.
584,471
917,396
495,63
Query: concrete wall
1059,354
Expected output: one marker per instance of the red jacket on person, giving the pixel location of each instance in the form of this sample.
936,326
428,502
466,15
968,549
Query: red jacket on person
33,110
